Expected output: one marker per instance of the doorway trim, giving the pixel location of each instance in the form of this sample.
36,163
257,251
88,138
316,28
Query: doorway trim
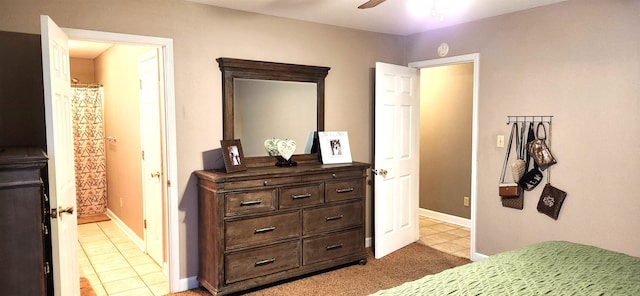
475,59
166,44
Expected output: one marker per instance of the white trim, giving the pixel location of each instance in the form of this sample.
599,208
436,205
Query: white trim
475,58
188,283
127,231
445,217
478,257
173,230
368,242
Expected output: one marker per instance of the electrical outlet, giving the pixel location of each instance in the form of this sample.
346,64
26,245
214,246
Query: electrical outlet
500,141
466,200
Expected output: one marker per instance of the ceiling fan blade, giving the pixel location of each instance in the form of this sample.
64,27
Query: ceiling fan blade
370,4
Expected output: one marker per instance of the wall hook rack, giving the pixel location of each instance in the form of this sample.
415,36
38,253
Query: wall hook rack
529,118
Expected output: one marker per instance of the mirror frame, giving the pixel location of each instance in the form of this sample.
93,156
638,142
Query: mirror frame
249,69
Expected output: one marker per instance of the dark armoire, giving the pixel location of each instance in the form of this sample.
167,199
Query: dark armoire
24,251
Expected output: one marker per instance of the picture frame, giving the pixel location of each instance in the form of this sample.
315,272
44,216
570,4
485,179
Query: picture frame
233,155
334,147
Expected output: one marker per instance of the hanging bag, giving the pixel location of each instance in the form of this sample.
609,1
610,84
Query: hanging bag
551,201
533,177
519,166
540,151
511,194
552,198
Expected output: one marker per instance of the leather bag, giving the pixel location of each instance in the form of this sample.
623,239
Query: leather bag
511,194
540,151
551,201
534,176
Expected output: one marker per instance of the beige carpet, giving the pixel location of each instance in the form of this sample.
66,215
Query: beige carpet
409,263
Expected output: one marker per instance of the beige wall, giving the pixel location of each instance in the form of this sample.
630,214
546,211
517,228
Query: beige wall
446,101
82,69
578,61
200,35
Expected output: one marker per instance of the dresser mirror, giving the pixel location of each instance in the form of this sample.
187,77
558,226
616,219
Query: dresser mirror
263,100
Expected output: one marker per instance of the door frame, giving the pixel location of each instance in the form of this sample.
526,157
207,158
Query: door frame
166,44
461,59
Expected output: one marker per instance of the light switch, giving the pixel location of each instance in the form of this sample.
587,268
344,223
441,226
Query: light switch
500,142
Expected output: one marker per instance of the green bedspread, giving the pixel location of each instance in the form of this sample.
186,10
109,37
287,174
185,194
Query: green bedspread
549,268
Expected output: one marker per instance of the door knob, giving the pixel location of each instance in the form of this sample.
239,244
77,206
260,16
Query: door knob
381,172
155,175
60,211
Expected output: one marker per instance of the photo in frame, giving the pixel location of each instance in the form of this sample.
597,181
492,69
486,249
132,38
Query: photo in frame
334,147
233,155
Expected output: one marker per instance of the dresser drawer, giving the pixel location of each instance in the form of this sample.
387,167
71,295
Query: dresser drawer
331,218
300,196
328,176
253,231
262,261
250,202
262,182
332,246
342,190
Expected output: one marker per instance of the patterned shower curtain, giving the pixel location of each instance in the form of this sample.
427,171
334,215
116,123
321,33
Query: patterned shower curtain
89,149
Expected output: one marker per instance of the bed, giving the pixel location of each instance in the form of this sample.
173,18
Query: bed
548,268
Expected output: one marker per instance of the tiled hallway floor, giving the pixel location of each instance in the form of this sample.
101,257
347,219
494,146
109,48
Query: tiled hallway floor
445,237
114,265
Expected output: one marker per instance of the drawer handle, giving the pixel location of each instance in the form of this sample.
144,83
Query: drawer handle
263,230
334,218
344,190
265,262
299,196
336,246
250,203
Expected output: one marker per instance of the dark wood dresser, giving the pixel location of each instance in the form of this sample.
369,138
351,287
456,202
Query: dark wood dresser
268,224
24,269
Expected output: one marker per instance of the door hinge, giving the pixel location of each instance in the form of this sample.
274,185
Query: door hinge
145,223
142,154
168,183
140,80
45,229
47,268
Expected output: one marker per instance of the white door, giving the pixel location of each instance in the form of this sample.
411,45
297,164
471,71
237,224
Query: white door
152,176
59,131
396,159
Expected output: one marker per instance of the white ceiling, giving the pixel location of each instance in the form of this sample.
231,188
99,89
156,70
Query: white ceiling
391,16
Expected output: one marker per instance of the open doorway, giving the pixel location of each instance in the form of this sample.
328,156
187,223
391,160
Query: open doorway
451,209
122,122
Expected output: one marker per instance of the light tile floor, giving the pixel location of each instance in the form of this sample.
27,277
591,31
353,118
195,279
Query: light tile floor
445,237
114,265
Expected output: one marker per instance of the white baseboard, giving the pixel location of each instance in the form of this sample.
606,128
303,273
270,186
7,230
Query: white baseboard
445,217
188,284
478,257
127,231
